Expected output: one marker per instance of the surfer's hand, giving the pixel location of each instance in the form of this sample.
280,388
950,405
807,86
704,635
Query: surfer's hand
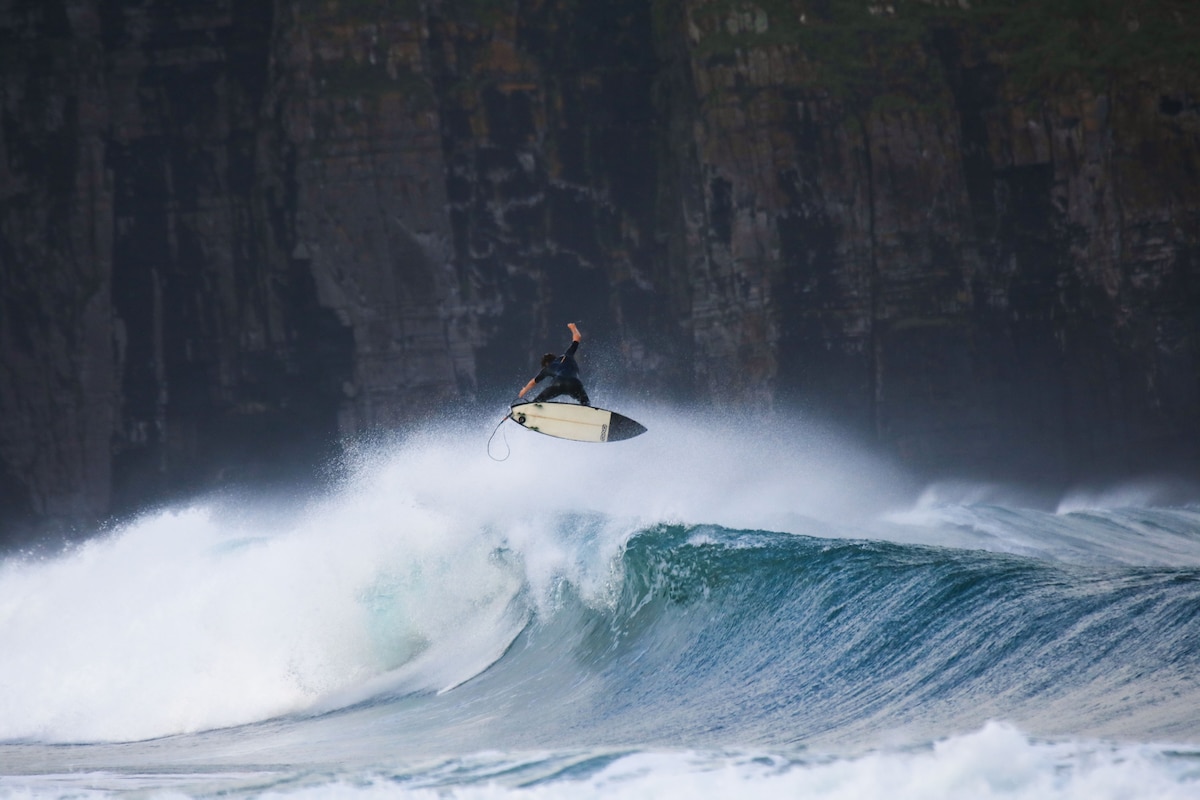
574,330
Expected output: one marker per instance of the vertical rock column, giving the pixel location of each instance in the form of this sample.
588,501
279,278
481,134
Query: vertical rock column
57,386
362,127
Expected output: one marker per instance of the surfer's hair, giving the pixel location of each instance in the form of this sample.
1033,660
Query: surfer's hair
548,359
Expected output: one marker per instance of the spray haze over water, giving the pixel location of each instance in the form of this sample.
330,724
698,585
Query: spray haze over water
717,584
216,616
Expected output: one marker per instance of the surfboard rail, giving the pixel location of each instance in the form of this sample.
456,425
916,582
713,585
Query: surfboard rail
575,422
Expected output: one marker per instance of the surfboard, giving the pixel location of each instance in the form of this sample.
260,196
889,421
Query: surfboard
578,423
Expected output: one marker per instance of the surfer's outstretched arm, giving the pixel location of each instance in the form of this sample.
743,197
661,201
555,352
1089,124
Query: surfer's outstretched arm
575,337
526,388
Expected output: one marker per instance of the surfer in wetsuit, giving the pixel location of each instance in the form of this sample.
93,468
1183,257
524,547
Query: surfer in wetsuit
564,374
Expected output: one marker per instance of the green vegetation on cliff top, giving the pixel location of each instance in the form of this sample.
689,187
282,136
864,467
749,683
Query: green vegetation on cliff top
858,47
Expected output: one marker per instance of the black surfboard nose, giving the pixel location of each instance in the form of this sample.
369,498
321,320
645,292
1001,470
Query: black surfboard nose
622,427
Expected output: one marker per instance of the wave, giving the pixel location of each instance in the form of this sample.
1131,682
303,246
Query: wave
716,637
698,586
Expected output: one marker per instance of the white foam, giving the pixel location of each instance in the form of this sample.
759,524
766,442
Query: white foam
182,621
1137,523
1147,492
995,763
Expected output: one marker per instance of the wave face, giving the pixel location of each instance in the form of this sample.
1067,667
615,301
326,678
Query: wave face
697,590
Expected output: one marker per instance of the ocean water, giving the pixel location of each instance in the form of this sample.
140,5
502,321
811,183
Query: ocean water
715,609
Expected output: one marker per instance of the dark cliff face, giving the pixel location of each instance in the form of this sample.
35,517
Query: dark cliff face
231,236
964,229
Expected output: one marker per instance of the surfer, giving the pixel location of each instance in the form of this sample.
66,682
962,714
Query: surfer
564,374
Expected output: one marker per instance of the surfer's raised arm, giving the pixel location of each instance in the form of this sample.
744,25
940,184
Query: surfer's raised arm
564,372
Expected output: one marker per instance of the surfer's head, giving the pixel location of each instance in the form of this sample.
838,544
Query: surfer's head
548,359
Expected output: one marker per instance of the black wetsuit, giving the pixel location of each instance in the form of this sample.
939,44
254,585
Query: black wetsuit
564,374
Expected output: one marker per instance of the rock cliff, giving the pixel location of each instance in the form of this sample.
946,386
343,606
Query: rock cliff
232,236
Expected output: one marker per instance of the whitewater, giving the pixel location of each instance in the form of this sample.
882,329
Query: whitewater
722,607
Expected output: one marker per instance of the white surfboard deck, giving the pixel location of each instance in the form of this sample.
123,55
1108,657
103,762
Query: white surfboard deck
578,423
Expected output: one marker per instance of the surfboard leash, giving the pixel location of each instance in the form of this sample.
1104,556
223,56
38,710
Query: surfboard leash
504,438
